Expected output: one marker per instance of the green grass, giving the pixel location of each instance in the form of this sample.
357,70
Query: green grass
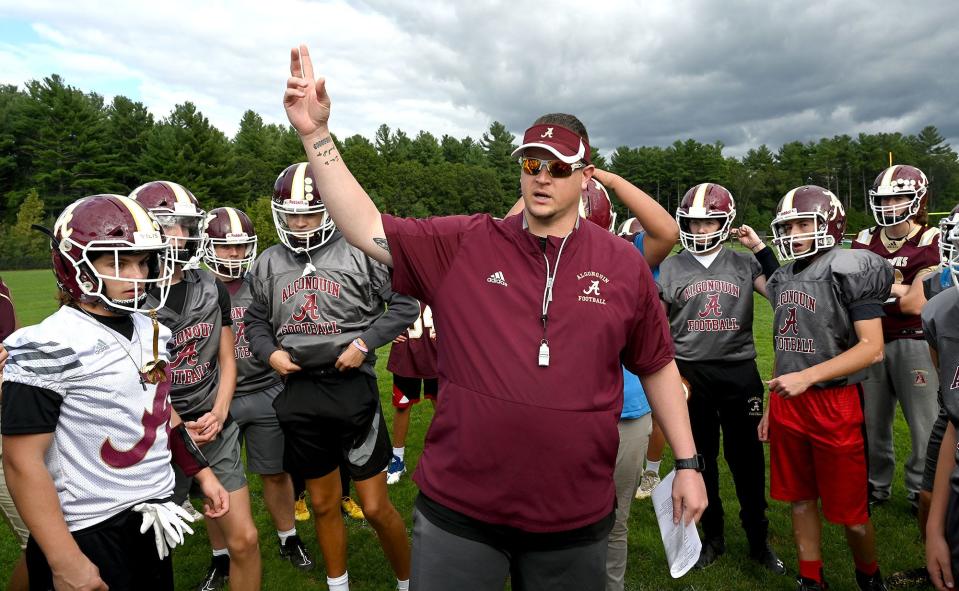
899,547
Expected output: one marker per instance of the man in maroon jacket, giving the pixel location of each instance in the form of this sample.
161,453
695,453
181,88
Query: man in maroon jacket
536,313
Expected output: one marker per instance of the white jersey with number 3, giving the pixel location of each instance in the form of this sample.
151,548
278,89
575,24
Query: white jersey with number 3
110,449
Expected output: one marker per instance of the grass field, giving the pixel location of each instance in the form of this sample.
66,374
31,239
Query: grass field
899,547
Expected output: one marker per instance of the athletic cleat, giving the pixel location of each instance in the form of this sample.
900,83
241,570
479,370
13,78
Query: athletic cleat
712,550
646,484
191,510
301,511
767,557
295,551
396,469
804,584
871,582
351,509
909,578
217,576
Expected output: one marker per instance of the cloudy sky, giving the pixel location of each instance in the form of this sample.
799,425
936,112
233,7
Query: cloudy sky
637,73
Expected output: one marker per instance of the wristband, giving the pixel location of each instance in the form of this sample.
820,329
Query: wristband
186,455
356,343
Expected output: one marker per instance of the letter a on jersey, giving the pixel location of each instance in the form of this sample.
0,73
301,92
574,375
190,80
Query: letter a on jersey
790,323
712,307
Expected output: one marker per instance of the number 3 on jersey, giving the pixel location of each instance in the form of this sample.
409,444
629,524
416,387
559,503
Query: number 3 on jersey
423,322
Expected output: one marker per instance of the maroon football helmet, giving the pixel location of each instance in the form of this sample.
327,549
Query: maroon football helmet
596,206
897,180
630,227
109,225
181,217
295,192
812,203
705,201
228,226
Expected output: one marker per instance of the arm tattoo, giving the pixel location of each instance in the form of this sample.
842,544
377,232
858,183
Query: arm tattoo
322,142
382,243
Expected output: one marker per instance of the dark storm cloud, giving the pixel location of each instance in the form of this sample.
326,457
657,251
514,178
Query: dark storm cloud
743,73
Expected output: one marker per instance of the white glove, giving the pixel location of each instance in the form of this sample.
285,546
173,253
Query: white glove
169,522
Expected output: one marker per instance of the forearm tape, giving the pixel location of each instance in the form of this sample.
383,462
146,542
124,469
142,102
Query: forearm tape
186,455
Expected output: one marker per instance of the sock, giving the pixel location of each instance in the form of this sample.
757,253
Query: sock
399,452
652,466
341,583
221,552
867,568
402,585
283,535
811,569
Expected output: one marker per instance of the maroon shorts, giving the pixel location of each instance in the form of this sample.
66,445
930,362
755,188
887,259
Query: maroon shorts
406,391
817,451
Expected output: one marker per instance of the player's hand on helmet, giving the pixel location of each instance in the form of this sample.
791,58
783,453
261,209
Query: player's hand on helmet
763,429
350,358
747,236
78,574
939,562
306,101
282,363
216,502
689,496
169,523
790,385
3,358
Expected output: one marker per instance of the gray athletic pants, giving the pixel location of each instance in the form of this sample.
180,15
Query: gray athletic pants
905,375
444,561
633,441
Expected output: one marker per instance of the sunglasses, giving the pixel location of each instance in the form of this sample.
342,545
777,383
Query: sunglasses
556,168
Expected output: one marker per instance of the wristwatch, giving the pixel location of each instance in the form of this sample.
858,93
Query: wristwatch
694,463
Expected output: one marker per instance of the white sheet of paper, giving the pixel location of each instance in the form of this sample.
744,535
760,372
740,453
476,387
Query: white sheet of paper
681,542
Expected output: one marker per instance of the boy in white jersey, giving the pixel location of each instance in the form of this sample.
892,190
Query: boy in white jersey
87,413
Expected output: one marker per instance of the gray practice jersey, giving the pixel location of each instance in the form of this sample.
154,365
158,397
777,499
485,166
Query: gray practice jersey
195,345
940,323
252,374
314,313
812,321
710,310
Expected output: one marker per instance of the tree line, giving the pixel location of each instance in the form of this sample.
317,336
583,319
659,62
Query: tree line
58,143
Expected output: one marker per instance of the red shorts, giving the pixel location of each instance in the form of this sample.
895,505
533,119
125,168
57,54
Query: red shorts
406,391
817,451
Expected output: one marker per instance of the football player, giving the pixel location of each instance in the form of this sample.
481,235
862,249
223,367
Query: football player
827,330
707,291
317,318
203,370
87,416
940,320
231,248
898,200
413,364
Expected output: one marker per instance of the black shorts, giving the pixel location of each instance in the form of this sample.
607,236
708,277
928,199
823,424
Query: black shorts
331,419
126,558
406,391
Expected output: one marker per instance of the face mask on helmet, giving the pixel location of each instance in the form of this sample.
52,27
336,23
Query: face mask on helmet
946,247
703,242
221,254
302,228
953,262
187,235
893,213
792,246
